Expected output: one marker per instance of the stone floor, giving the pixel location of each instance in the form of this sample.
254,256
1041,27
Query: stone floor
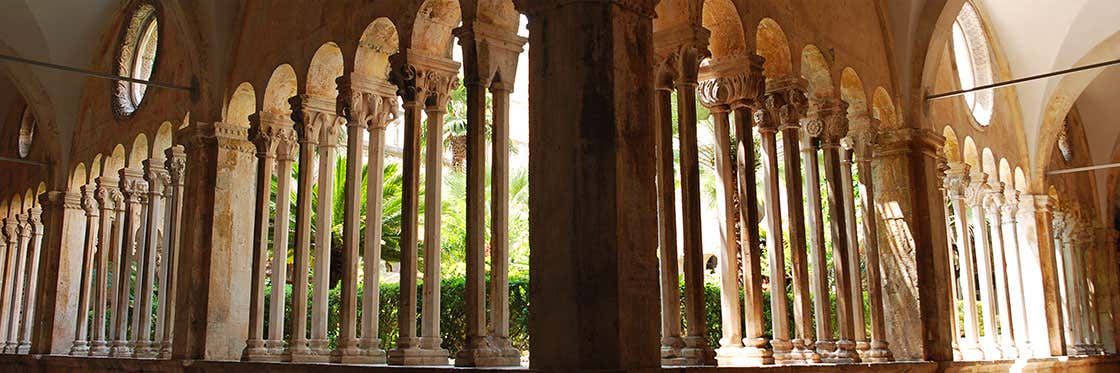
60,364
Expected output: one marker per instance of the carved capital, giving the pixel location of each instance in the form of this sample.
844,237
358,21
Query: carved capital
89,202
976,189
1010,204
133,185
107,194
158,178
56,199
956,179
176,163
224,136
993,199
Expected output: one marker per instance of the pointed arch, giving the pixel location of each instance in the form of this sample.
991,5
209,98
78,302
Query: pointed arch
162,141
970,154
78,177
851,91
241,105
431,31
139,151
1020,180
326,66
816,71
772,44
95,167
1005,173
114,162
378,42
988,161
882,108
722,19
282,85
952,147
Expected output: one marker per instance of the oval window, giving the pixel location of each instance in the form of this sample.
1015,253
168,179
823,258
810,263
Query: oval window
137,58
973,62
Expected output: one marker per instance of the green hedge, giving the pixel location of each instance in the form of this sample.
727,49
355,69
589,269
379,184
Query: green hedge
453,312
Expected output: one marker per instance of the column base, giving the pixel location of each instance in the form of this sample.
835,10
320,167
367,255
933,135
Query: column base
971,351
803,348
845,353
144,350
96,348
825,348
742,356
878,353
991,350
356,355
783,352
697,352
1010,352
120,349
80,348
416,356
484,351
862,346
24,348
255,351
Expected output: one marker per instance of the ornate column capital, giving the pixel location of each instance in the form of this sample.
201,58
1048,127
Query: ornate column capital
316,120
133,185
176,164
89,202
108,196
993,200
495,49
56,199
224,136
786,99
680,50
11,228
1010,205
863,136
157,176
957,179
422,79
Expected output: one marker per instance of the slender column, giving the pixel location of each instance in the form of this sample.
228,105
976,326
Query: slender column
175,164
286,153
858,321
794,106
61,260
671,341
18,285
754,339
4,248
499,222
355,106
30,286
983,254
11,233
135,194
992,202
113,239
957,180
1062,230
1043,254
106,186
307,128
818,257
951,232
836,127
864,138
422,85
1085,270
158,179
324,111
89,204
1020,327
476,351
729,251
382,114
264,137
771,196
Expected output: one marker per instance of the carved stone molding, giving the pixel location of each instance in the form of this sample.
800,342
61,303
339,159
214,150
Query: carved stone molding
176,164
89,201
957,179
729,88
225,136
422,78
644,8
1010,205
66,200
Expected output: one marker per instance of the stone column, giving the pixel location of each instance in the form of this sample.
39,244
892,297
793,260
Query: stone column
384,113
4,262
953,278
768,127
158,180
974,196
11,234
175,163
993,202
732,320
16,250
135,191
93,223
592,225
307,127
499,236
1063,223
864,136
859,327
30,286
322,109
957,181
423,82
792,95
809,146
1020,327
1034,231
671,341
110,199
835,128
60,274
355,106
19,291
264,137
211,309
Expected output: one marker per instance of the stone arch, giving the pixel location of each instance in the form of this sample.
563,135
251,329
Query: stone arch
952,147
500,13
671,13
114,162
378,42
16,206
1005,173
883,109
326,66
282,85
162,141
1055,197
431,31
77,177
988,161
971,157
851,91
1061,99
95,167
28,199
772,44
139,151
816,71
1020,180
241,105
722,19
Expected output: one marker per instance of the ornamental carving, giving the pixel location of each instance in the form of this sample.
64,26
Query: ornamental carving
993,199
104,196
956,179
417,84
89,201
1010,204
835,124
976,189
176,164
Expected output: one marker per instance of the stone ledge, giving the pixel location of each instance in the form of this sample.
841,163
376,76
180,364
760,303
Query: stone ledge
53,364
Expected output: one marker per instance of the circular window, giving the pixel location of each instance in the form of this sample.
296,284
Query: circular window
1063,143
26,132
137,58
973,62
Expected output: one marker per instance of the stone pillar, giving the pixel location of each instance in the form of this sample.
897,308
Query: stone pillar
1063,224
384,113
158,180
11,254
211,309
982,253
1040,271
810,144
791,93
110,199
355,106
592,225
60,274
835,128
859,327
768,127
864,135
1016,292
993,202
175,163
19,286
265,138
1110,324
322,109
957,182
32,275
93,223
423,83
732,317
307,129
487,49
671,341
4,262
135,191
